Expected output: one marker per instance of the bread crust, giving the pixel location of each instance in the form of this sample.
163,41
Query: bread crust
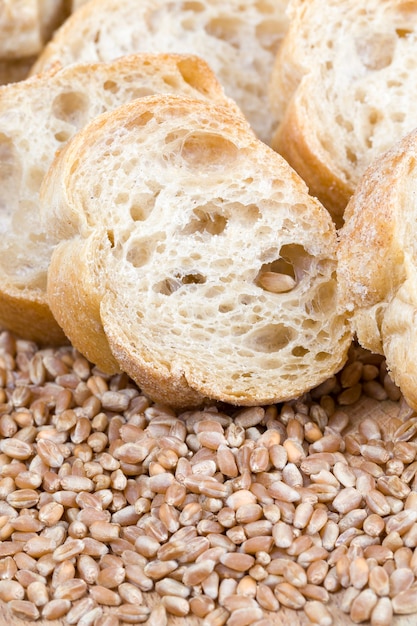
50,108
186,330
377,261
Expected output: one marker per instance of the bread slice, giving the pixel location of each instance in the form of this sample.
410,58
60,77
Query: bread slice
378,261
238,39
343,90
200,252
37,117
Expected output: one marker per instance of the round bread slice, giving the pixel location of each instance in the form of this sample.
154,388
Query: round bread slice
343,90
209,268
378,262
238,39
37,117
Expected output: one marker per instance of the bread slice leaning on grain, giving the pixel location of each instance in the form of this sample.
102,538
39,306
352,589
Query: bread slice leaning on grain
238,39
378,262
343,90
37,117
212,270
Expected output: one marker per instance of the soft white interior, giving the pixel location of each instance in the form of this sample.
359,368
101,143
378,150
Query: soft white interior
239,40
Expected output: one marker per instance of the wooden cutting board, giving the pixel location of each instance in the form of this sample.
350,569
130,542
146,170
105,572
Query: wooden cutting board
365,407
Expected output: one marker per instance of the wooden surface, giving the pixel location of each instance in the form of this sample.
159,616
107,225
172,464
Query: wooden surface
284,617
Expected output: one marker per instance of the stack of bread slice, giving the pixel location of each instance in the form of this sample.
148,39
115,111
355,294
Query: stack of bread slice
37,117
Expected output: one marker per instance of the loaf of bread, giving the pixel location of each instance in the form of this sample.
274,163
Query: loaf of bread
378,261
37,117
238,40
343,90
197,252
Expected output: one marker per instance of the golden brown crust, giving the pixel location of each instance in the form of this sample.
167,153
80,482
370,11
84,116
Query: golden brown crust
377,262
297,142
29,317
74,294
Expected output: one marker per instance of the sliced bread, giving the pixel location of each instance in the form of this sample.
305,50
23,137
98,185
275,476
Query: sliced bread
238,39
200,253
343,90
37,117
378,262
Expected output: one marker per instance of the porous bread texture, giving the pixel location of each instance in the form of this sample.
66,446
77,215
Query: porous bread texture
377,262
37,117
343,90
185,212
239,40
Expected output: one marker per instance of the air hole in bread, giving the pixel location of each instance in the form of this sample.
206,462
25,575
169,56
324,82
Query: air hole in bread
225,29
110,85
205,150
171,284
322,356
351,157
142,207
139,253
344,123
71,107
63,136
271,338
323,301
299,351
403,32
197,7
110,237
267,33
376,50
190,74
206,221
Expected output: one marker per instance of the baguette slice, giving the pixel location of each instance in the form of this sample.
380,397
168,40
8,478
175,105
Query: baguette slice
343,90
200,252
378,262
37,117
239,41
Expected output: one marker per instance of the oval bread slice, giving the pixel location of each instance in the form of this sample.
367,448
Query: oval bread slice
378,262
209,267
